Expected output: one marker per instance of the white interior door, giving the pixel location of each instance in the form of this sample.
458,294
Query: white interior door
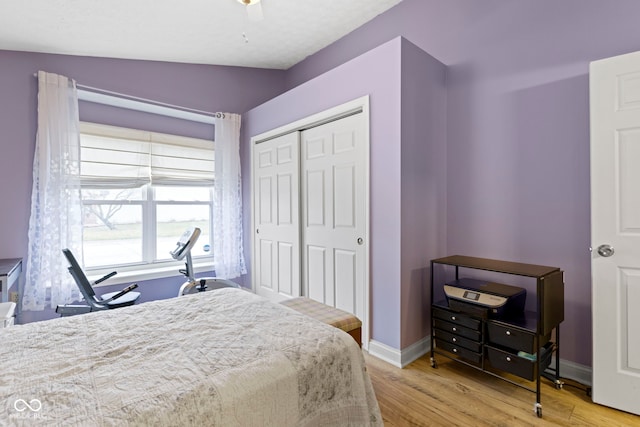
334,213
276,217
615,230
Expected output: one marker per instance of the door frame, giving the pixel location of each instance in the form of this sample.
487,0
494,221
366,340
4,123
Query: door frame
358,105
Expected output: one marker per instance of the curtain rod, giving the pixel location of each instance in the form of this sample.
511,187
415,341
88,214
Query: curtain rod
122,100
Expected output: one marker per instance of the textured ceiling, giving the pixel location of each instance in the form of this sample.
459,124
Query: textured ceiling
191,31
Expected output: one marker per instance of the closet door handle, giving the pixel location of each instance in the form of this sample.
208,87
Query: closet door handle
360,240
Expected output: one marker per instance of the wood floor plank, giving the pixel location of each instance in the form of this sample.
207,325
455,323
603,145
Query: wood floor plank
456,395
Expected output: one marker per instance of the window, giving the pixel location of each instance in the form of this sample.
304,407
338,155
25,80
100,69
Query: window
140,191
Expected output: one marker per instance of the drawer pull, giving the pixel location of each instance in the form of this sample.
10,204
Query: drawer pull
454,329
454,339
508,359
455,350
453,317
508,332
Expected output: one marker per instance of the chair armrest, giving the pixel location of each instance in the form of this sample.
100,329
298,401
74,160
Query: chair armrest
72,310
103,278
119,294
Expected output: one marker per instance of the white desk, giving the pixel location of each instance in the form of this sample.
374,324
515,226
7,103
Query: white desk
10,270
7,314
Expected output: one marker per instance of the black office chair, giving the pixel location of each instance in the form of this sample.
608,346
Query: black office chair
107,301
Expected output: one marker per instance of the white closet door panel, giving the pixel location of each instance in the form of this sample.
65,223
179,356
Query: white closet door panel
345,270
266,264
286,154
344,207
265,200
264,159
314,196
277,234
316,271
333,161
285,195
315,148
286,260
344,141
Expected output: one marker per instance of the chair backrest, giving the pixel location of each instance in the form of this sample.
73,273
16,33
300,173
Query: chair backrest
81,279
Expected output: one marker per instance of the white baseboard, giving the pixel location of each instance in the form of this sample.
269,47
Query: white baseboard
401,358
385,352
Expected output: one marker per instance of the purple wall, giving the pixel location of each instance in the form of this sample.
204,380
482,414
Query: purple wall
203,87
345,83
423,186
518,124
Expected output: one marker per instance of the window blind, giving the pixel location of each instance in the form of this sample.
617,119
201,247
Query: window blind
116,158
113,163
186,161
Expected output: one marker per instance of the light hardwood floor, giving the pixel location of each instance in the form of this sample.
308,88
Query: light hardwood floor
456,395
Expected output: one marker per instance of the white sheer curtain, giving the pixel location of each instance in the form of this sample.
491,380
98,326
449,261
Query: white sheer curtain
227,211
56,211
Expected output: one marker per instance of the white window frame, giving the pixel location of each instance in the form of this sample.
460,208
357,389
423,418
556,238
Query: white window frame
149,268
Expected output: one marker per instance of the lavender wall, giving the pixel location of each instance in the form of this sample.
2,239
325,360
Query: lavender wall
344,83
209,88
423,186
518,124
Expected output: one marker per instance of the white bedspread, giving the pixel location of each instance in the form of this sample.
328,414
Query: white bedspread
221,358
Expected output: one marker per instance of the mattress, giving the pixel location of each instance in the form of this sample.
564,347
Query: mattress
220,358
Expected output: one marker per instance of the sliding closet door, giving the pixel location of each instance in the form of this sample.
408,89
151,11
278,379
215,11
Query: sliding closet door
333,162
276,216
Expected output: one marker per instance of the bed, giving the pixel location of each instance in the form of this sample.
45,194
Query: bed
220,358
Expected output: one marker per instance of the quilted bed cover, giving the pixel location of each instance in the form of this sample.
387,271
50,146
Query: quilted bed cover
220,358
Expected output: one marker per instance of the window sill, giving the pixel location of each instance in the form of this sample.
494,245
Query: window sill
142,274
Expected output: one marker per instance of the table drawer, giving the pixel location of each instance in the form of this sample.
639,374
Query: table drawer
512,363
457,330
517,339
475,346
457,318
462,352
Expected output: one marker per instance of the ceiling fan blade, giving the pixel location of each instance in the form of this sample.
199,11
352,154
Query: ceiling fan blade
254,12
